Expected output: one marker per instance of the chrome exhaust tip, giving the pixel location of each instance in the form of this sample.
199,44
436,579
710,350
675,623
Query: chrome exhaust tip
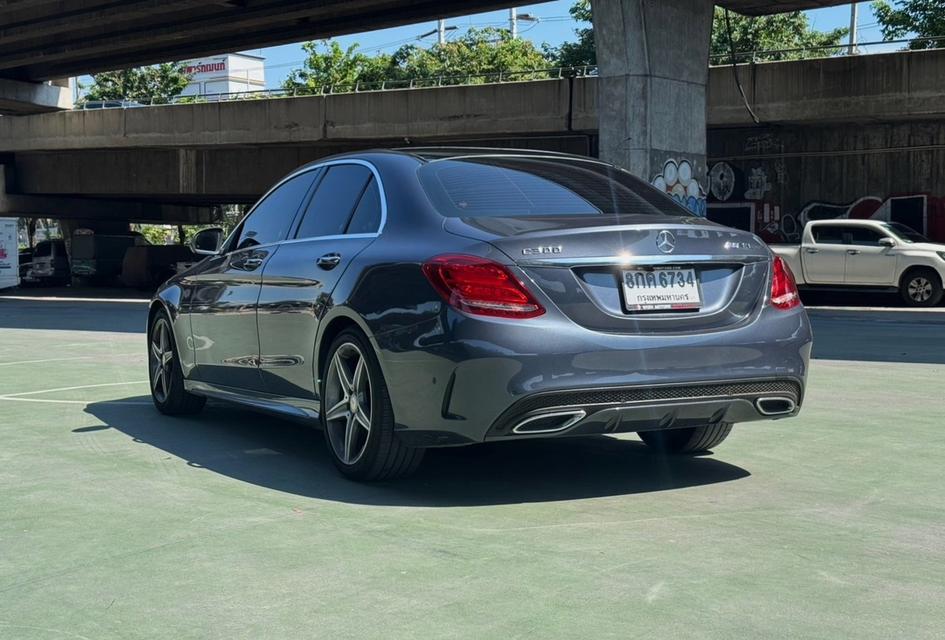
550,422
775,406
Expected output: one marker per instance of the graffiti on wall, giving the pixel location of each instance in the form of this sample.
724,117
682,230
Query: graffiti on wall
678,181
745,200
758,211
920,211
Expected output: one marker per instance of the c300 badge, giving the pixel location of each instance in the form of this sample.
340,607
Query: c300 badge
539,251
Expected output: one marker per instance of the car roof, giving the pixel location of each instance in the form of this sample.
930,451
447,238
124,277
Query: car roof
433,154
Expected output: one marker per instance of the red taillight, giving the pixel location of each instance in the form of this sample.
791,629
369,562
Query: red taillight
784,294
481,287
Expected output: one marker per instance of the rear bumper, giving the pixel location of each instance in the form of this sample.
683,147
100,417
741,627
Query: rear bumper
462,380
631,409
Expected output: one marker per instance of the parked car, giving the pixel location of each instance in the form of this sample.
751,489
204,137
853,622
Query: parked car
49,265
26,259
868,255
148,266
442,297
97,257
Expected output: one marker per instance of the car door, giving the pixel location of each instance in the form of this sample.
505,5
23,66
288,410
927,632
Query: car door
825,260
223,293
868,262
343,216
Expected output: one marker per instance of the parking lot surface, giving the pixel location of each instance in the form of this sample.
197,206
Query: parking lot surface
118,522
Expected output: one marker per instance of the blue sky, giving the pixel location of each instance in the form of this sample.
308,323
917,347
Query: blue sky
554,27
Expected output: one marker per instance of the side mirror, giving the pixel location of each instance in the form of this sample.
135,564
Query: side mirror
887,242
207,242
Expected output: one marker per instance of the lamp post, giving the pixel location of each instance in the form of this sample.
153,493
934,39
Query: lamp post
854,20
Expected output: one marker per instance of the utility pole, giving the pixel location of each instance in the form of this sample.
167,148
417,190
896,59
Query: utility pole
441,31
513,22
854,20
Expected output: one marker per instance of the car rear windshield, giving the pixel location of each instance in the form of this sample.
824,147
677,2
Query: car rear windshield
499,186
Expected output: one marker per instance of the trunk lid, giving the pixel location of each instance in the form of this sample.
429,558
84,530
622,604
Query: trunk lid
582,262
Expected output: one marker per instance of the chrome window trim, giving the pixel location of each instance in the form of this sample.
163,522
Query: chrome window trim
306,169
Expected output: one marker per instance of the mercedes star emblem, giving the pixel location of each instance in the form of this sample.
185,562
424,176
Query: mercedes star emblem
666,242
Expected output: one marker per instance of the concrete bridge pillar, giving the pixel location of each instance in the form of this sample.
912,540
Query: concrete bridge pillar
653,61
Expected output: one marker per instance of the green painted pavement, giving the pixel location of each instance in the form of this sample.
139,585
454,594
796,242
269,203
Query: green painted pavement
116,522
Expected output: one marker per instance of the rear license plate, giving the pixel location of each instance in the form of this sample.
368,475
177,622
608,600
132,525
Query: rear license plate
661,290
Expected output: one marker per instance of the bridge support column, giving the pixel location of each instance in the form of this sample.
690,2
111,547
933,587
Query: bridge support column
653,60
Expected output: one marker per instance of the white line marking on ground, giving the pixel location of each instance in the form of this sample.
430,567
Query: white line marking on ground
877,309
60,299
84,386
10,364
82,402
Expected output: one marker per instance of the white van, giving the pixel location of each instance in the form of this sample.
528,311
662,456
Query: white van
9,254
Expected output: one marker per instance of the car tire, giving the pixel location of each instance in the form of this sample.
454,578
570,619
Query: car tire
164,372
362,444
689,440
921,288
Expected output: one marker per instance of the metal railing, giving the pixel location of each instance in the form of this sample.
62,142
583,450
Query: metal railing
466,79
719,59
830,50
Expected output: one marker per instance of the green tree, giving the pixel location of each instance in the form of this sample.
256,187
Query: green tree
479,52
771,34
907,18
328,64
157,83
582,51
749,34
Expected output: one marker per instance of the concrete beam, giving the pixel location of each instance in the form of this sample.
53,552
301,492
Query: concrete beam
866,88
22,98
495,110
80,208
226,175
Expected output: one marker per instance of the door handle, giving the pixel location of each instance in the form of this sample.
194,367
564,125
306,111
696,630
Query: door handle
251,264
813,250
329,261
853,252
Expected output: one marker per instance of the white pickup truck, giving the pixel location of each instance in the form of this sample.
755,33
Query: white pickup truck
868,254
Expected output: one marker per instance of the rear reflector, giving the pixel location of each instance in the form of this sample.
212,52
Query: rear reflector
481,287
784,293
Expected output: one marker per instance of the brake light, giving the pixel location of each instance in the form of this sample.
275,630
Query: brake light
784,293
481,287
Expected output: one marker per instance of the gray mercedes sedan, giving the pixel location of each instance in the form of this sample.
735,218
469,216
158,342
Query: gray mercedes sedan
423,298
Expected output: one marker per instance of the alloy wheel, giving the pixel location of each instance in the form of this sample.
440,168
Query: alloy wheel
920,289
162,360
348,396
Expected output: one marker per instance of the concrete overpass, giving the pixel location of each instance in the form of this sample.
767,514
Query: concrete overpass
652,55
45,39
170,162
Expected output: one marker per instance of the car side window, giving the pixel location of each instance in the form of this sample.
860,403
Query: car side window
866,237
271,219
826,234
333,204
367,215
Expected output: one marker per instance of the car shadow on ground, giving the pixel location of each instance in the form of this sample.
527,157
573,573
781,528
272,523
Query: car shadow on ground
290,457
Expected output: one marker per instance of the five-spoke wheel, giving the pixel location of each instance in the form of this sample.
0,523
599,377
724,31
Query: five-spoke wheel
348,394
161,360
357,414
167,379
